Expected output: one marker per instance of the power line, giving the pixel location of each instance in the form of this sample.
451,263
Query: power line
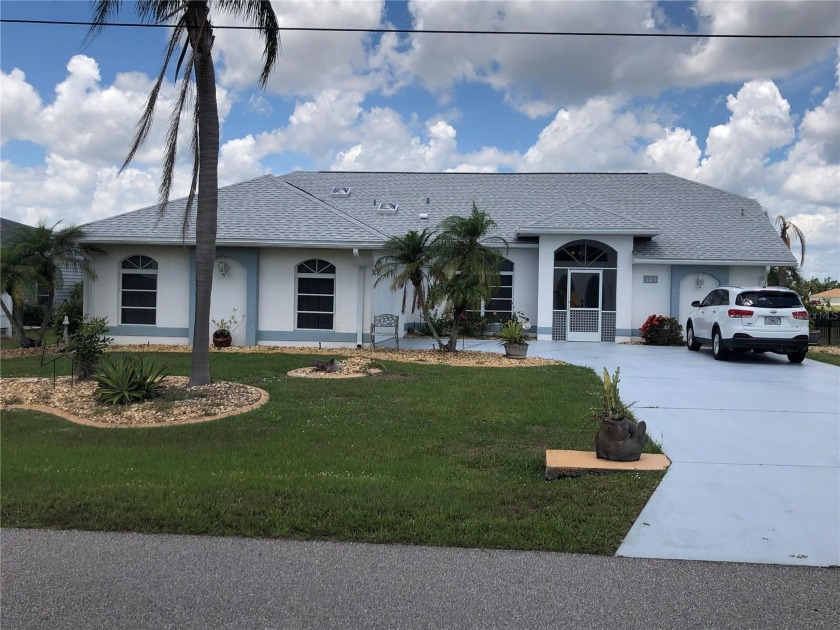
436,31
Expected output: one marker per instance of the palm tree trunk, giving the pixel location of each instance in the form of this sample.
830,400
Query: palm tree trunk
427,318
783,277
16,321
48,311
207,206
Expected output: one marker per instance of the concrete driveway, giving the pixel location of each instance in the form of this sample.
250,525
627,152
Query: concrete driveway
754,444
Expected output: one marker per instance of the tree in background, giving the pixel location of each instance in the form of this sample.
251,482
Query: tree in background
789,232
15,278
45,252
192,32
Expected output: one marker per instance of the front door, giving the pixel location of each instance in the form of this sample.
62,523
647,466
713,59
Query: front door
584,293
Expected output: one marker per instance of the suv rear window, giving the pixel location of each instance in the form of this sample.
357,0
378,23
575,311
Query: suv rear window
768,299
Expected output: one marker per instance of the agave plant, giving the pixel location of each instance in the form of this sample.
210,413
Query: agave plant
128,380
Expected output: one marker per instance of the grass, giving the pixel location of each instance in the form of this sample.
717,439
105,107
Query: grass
824,357
424,454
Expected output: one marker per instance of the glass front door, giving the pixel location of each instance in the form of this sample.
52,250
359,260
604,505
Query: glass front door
584,291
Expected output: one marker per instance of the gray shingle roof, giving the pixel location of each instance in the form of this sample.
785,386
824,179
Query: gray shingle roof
690,221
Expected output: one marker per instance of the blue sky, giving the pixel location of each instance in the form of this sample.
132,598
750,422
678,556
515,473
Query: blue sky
759,118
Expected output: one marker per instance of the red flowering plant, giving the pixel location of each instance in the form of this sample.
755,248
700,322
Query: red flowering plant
659,330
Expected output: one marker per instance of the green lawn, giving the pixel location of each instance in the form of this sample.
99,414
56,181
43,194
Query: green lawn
825,357
423,454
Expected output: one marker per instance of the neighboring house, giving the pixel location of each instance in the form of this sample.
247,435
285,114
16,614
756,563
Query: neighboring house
590,256
832,296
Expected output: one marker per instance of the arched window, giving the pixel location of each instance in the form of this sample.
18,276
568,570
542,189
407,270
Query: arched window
138,290
315,295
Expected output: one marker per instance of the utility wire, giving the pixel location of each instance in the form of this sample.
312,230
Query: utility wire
435,31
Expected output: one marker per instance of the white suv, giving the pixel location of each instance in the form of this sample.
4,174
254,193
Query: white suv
770,319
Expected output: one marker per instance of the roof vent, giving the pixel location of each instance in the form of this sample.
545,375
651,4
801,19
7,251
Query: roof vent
340,191
424,216
387,208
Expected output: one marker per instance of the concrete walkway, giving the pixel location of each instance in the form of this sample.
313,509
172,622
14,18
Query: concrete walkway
755,446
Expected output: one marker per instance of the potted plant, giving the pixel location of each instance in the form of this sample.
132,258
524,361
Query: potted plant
514,338
619,438
223,336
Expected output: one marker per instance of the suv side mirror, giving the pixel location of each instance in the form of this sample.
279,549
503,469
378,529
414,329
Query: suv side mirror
695,303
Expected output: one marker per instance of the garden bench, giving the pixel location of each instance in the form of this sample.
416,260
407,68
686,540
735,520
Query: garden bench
386,325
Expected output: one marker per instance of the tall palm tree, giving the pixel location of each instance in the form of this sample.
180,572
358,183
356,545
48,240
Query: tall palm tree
407,261
45,252
190,20
790,232
466,264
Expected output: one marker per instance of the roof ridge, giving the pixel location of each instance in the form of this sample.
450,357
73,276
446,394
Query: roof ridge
329,208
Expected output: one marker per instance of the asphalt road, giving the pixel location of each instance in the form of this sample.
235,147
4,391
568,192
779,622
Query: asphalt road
86,580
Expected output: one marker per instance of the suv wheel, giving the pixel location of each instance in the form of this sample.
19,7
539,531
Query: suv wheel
690,342
796,357
718,351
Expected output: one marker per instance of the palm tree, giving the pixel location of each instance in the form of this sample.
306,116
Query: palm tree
789,232
15,278
41,254
466,266
406,261
191,22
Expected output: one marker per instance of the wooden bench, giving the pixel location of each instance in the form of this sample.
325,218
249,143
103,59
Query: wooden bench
385,325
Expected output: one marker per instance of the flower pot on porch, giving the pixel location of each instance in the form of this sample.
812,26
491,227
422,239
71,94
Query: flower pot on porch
222,339
516,350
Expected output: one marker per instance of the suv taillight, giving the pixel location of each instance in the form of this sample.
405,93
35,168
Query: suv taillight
739,312
800,314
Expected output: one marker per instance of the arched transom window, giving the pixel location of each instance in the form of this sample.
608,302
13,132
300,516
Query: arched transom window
315,295
138,290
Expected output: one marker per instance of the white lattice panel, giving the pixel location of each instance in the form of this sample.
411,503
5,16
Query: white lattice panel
584,320
607,326
558,326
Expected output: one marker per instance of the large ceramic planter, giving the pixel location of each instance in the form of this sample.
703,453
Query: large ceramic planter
516,350
814,338
222,339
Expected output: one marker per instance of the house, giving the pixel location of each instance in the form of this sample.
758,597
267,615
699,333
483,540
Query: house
590,257
830,297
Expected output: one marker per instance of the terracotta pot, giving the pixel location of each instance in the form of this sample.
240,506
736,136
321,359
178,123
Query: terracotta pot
222,339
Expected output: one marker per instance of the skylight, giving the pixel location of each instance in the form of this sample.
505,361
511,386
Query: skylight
340,191
388,208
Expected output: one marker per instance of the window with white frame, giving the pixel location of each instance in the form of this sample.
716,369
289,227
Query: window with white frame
138,290
315,295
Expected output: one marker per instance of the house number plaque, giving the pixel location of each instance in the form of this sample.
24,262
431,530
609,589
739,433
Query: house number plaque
651,279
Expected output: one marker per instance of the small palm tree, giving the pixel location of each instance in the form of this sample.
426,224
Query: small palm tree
192,31
406,261
466,267
790,232
45,252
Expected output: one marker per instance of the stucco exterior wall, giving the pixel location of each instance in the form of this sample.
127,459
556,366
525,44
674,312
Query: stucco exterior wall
747,276
650,298
277,289
102,295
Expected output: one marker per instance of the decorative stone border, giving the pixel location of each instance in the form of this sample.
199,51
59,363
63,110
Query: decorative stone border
149,425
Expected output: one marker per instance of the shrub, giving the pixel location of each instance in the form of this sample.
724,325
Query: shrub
513,332
659,330
33,314
88,344
72,309
129,379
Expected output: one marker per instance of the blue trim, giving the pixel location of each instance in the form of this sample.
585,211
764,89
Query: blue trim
678,272
544,330
130,330
305,335
248,257
191,292
627,332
